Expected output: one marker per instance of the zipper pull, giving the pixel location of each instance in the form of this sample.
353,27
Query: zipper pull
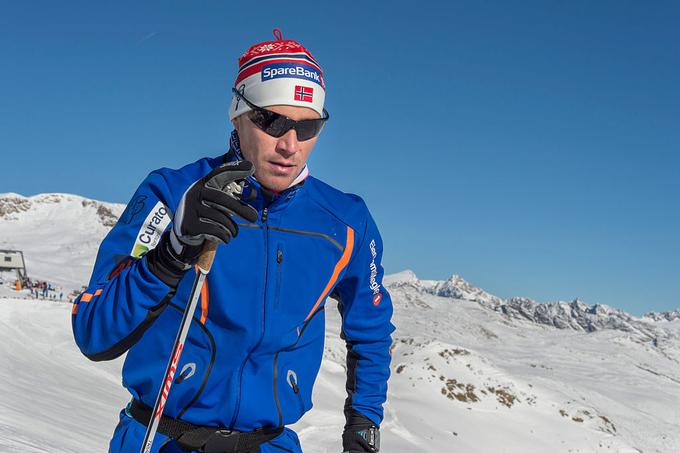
264,214
292,381
279,256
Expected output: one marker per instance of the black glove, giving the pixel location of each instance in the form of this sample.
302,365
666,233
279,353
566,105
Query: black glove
360,435
204,212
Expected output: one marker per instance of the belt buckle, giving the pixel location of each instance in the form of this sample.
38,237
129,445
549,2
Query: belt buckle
221,441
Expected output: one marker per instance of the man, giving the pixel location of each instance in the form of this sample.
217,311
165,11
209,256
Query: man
287,243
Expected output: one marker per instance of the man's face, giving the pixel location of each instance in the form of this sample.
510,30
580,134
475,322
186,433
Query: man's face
277,160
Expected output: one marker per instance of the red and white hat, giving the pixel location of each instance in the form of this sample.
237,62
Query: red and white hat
280,72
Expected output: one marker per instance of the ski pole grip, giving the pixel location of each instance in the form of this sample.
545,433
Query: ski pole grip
207,256
205,259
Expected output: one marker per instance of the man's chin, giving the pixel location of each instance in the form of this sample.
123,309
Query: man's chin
275,183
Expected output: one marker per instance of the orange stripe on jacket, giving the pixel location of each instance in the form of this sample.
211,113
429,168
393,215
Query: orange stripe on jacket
86,297
339,266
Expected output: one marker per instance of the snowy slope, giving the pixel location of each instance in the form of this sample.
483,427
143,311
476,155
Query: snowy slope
471,372
58,233
52,399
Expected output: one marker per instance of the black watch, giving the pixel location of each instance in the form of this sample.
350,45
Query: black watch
372,437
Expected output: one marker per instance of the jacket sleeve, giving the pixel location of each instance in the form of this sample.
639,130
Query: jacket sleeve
366,309
123,297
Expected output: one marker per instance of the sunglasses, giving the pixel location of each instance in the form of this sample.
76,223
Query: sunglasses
276,125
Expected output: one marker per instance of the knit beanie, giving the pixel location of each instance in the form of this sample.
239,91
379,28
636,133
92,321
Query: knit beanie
280,72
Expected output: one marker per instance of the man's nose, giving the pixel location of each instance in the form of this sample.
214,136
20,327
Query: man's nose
288,143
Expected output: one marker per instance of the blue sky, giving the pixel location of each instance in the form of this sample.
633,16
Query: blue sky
530,147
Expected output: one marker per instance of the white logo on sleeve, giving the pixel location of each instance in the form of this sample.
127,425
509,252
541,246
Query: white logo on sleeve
152,229
377,296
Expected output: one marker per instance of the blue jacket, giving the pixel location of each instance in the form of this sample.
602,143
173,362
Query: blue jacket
257,339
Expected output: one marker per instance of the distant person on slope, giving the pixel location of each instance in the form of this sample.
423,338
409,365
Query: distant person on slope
289,242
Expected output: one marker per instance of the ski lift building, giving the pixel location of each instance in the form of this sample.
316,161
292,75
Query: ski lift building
13,260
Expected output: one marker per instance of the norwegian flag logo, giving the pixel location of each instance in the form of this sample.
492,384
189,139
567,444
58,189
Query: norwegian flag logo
303,93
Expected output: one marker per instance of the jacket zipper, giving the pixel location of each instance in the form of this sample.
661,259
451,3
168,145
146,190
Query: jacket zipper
213,350
279,260
296,390
264,304
276,395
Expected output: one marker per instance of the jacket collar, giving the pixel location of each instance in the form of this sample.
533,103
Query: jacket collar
257,190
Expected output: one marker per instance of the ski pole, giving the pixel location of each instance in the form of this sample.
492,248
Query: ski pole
205,261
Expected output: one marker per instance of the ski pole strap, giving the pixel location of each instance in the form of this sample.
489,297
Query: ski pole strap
204,439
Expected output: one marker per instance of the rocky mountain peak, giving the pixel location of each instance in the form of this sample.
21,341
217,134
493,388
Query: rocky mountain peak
14,207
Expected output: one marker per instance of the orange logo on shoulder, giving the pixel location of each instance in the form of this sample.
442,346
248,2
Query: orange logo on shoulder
377,298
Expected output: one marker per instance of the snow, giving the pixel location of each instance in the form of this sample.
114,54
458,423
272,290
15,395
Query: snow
59,234
53,399
466,376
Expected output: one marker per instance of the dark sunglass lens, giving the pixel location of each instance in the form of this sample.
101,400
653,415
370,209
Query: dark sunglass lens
257,117
308,129
266,120
277,125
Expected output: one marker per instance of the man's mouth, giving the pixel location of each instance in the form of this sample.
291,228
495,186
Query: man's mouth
282,166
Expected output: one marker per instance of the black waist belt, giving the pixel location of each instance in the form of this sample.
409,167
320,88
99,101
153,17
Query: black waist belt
205,439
